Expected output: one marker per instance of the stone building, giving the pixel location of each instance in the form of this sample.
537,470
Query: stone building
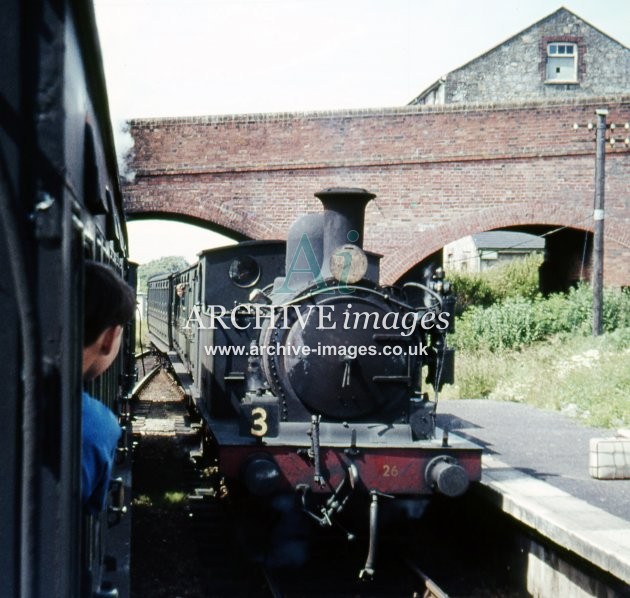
560,56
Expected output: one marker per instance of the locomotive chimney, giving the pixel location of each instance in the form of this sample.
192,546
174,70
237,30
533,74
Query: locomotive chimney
344,212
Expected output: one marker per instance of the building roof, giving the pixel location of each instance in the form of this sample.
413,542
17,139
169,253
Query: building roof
503,239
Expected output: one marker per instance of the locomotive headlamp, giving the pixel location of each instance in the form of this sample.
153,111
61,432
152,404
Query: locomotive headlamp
261,475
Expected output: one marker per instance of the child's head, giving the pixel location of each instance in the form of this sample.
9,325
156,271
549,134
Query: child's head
108,305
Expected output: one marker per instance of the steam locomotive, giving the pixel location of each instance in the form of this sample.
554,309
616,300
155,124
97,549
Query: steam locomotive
60,204
308,374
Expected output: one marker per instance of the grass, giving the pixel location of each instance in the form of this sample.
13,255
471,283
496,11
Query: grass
160,499
587,378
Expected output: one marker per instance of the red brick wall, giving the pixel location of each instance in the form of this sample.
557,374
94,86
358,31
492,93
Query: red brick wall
439,173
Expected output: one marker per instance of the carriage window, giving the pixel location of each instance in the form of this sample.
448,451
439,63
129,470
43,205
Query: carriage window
562,62
244,271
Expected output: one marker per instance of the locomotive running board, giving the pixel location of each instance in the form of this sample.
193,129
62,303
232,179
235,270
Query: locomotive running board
160,345
339,435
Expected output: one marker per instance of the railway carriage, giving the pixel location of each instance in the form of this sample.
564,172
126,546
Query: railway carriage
60,203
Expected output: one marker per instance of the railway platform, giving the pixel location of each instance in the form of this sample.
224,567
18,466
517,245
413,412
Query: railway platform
536,469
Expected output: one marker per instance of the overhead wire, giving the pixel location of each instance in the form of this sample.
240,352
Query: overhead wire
542,236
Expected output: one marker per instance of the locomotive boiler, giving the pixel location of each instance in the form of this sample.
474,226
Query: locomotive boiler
309,374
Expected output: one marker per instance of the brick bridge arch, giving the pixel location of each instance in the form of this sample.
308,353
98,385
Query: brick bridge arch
439,172
540,217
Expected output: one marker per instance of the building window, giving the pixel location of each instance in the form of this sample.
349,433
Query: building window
562,61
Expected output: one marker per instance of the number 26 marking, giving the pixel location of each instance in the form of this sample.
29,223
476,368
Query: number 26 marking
259,422
390,471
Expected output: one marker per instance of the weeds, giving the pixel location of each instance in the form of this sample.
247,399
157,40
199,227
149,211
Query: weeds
516,345
587,378
518,321
518,278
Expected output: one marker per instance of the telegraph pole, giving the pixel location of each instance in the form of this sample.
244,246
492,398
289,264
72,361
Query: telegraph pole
619,138
598,222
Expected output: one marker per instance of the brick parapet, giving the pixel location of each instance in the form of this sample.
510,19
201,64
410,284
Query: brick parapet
586,100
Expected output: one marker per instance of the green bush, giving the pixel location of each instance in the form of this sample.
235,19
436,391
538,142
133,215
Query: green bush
518,278
518,321
470,290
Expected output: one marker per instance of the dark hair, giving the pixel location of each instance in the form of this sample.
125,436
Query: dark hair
109,301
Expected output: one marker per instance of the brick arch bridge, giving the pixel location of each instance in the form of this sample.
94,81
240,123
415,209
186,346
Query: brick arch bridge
439,172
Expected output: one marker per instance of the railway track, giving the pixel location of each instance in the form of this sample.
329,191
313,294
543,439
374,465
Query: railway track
414,584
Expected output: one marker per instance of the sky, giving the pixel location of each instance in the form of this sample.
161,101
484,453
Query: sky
207,57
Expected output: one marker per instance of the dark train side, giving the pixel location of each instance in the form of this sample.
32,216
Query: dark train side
60,204
308,373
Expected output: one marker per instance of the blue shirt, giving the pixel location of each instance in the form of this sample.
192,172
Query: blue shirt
100,438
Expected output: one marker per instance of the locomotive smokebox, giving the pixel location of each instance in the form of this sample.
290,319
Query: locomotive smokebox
344,215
